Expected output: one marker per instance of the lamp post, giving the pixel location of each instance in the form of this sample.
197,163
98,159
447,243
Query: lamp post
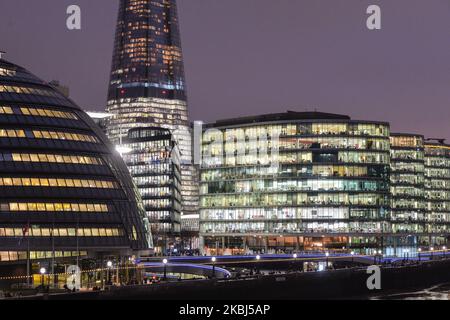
431,251
165,269
258,258
327,254
407,254
109,265
420,250
213,259
294,256
42,271
444,248
353,256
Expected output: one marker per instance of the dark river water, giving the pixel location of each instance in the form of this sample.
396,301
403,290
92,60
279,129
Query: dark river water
439,292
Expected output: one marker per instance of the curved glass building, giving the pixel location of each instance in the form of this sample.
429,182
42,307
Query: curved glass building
64,190
294,180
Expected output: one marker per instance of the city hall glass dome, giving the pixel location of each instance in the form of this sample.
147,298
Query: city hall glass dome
64,191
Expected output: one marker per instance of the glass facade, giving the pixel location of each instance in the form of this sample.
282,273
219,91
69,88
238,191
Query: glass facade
147,84
437,190
153,158
63,186
407,183
311,179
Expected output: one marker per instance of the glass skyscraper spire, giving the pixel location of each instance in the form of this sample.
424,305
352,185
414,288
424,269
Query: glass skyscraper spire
147,84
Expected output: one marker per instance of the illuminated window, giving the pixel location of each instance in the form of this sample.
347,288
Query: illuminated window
25,90
58,135
62,183
12,133
61,232
6,110
43,112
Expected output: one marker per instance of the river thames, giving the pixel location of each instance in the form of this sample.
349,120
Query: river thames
439,292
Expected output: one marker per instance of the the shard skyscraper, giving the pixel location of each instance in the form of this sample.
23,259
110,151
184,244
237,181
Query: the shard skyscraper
147,85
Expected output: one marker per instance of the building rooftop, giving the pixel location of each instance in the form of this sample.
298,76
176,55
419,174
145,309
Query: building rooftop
436,142
285,116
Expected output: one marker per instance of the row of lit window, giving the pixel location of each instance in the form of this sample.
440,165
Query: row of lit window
25,90
310,227
289,213
7,72
437,162
43,134
55,135
53,207
295,158
262,186
292,129
217,147
6,110
50,158
406,141
49,182
39,112
291,171
291,199
61,232
34,255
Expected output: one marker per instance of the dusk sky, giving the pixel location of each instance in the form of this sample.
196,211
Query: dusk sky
245,57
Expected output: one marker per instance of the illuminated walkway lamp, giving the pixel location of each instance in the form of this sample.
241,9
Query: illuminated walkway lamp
165,261
214,259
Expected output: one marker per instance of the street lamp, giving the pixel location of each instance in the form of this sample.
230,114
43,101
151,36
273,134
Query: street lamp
295,256
213,259
42,272
407,254
353,256
444,248
258,258
109,265
431,250
420,250
165,268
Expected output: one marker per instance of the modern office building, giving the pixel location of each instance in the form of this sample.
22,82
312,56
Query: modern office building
147,84
437,190
64,190
100,118
408,184
190,226
153,159
294,180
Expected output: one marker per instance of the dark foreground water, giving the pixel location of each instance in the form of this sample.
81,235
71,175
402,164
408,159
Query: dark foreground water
439,292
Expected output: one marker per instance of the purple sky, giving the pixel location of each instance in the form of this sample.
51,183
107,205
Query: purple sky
246,57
